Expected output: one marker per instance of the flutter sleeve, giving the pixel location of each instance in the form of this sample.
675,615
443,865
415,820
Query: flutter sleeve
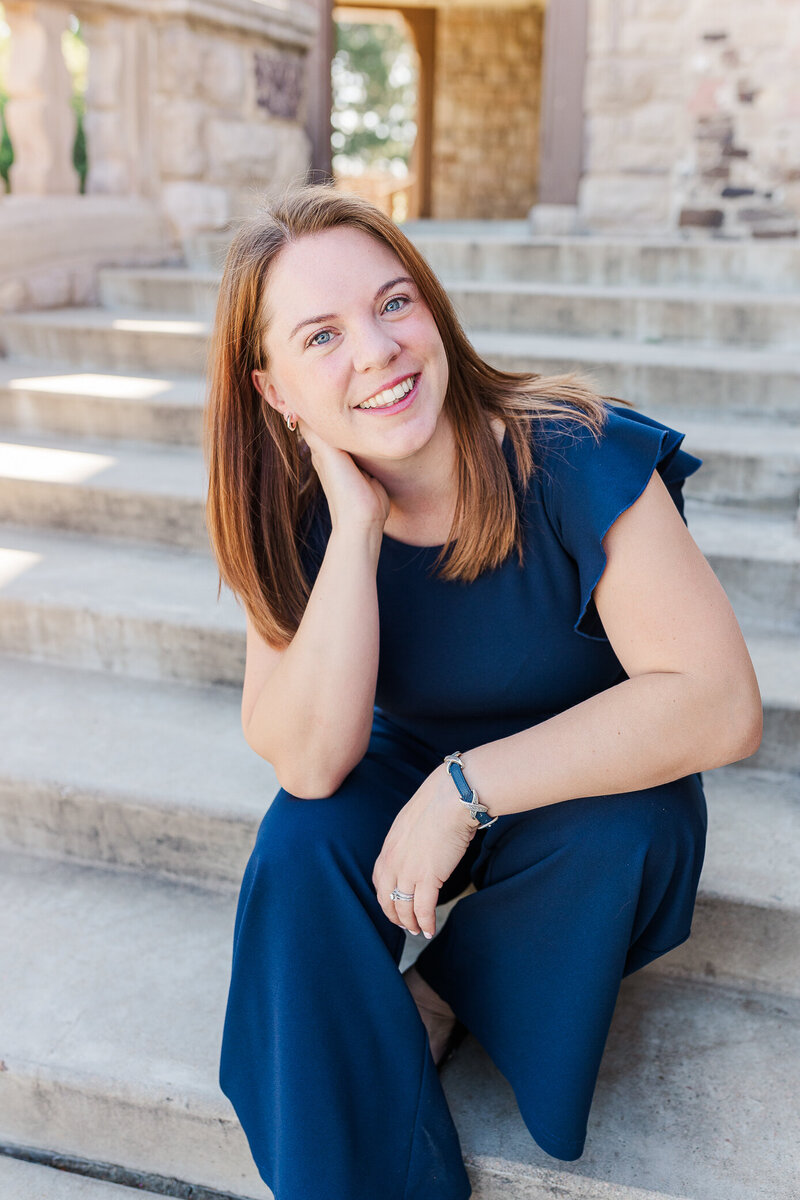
587,484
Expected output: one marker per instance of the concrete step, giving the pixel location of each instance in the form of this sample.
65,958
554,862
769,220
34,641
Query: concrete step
151,612
752,463
23,1180
124,1068
120,489
731,380
93,338
111,487
634,313
746,926
637,312
151,775
171,289
756,557
136,609
507,250
736,380
600,262
190,809
684,1091
40,398
754,459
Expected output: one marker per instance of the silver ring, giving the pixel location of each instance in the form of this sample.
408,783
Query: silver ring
401,895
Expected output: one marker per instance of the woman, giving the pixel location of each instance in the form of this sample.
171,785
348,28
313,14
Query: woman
434,556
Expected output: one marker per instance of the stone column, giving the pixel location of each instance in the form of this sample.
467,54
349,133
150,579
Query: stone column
561,131
118,121
319,95
422,23
39,115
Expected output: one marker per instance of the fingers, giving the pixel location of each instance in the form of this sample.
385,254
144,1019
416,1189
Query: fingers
417,915
425,897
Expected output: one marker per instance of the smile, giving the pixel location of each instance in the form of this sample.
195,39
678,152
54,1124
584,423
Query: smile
392,399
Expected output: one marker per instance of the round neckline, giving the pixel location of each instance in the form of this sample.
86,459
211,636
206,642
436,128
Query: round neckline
387,537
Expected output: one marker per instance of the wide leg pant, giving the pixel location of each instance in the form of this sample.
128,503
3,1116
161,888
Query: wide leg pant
324,1056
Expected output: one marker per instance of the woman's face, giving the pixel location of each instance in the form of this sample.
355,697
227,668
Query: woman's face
342,328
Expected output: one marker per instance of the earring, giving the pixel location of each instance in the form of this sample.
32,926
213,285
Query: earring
291,422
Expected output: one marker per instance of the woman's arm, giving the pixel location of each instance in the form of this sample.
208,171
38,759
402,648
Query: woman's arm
691,702
308,709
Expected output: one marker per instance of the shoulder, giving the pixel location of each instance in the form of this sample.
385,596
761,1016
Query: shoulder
583,469
588,480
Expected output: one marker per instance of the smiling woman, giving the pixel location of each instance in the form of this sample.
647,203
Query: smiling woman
435,457
372,338
433,554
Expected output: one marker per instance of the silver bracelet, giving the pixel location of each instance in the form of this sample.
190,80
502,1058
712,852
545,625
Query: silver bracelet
467,795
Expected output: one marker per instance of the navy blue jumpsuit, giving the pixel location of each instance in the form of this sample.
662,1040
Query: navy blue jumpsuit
324,1056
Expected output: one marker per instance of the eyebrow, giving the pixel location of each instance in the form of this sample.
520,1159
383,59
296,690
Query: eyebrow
385,287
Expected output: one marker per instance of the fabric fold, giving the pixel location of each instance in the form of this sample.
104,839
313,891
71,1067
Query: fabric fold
589,483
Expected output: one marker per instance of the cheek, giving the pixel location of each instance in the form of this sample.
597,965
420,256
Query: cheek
323,392
427,336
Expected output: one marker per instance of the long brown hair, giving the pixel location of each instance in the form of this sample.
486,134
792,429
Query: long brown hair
261,480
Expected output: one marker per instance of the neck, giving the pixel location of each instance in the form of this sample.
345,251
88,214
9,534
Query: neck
422,489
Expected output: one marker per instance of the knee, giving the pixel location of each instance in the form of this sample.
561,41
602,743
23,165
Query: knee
296,835
325,838
665,825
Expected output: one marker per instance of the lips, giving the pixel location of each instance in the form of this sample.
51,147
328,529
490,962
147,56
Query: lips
388,386
398,406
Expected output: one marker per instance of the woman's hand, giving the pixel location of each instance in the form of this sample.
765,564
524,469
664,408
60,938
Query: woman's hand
427,839
354,497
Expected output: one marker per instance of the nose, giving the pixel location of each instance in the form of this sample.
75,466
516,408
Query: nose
373,346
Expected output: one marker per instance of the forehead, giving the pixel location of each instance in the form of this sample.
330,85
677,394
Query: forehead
322,271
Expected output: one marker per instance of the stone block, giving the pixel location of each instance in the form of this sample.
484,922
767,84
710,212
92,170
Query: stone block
224,67
242,150
181,59
705,218
192,207
617,83
655,39
181,123
617,203
105,44
629,142
104,139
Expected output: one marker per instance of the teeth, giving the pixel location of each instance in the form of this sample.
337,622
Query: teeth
390,395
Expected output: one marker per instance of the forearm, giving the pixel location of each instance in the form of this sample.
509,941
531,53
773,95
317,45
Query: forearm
642,732
313,717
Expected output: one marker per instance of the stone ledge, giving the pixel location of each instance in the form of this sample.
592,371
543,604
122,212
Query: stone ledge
294,24
53,245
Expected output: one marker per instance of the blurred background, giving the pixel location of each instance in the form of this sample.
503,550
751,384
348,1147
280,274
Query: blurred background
608,186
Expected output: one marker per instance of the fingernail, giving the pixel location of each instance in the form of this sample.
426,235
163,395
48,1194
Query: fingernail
428,935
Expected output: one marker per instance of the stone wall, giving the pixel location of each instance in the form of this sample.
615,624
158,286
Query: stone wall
230,118
744,105
486,112
692,117
198,108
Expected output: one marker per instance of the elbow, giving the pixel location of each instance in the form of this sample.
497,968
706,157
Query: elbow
745,728
306,786
295,768
310,772
750,735
728,719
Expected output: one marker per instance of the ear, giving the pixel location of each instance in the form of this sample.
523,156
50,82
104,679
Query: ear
262,384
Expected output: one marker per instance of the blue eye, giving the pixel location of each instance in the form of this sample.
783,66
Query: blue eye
312,341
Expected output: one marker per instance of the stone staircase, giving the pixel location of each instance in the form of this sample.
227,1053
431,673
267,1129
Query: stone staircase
129,800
